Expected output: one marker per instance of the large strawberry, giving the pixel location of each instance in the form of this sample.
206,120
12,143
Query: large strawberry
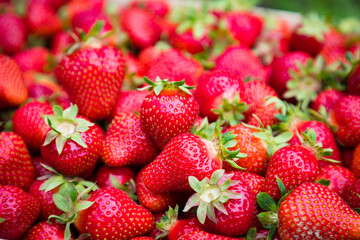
16,167
73,145
13,33
168,110
45,231
18,210
92,75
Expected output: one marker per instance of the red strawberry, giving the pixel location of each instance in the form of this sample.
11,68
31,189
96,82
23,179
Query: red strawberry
328,99
126,143
201,235
105,176
18,210
12,89
128,102
141,26
240,60
353,84
188,42
86,19
16,167
60,42
351,196
13,33
142,238
29,124
148,56
254,181
92,76
45,231
73,145
33,59
355,163
113,214
159,8
40,170
168,110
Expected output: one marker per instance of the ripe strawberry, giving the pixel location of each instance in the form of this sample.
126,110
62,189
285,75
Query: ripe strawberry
141,26
39,169
353,84
255,182
148,56
351,195
328,99
16,167
12,89
92,76
128,102
201,235
105,176
18,210
29,124
113,214
86,19
355,162
240,60
45,231
126,143
13,33
142,238
168,110
73,145
159,8
60,42
33,59
188,42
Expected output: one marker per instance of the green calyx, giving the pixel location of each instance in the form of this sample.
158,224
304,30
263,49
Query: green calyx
160,85
2,220
314,26
129,187
204,130
211,194
233,5
65,126
231,112
167,221
222,143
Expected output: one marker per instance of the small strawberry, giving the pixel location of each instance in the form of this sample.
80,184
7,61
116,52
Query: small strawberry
45,231
168,110
73,144
13,33
355,161
128,102
18,210
351,195
16,167
34,59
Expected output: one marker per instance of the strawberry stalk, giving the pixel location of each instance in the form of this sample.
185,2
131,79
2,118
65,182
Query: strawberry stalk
167,221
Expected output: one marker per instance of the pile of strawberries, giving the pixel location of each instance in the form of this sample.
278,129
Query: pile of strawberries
150,121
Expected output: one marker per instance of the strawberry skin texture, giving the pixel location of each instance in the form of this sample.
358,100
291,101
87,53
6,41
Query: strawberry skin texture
293,165
255,182
351,195
183,227
13,33
45,231
113,214
355,162
128,102
312,211
353,85
19,209
28,123
186,155
12,89
168,114
122,175
16,167
201,235
187,42
327,98
76,160
92,77
33,59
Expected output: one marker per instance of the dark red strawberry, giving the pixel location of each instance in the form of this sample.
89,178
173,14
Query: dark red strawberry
29,124
16,167
45,231
351,196
39,169
355,162
13,33
73,145
168,110
34,59
201,235
353,84
128,102
105,176
18,210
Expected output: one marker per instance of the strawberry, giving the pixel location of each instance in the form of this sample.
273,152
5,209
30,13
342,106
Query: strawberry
33,59
28,123
18,210
126,143
73,145
141,26
128,102
254,181
159,8
168,110
240,60
12,89
351,195
148,56
142,238
16,167
13,33
327,99
45,231
97,81
201,235
353,84
105,176
60,42
39,169
114,214
355,162
188,42
86,19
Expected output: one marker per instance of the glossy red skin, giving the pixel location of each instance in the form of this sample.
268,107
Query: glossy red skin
240,60
76,160
241,213
13,33
114,214
353,85
244,26
154,202
12,89
142,238
213,87
159,8
92,77
201,235
346,116
16,167
323,135
334,38
33,59
186,41
182,227
45,231
255,182
37,91
355,163
141,26
256,95
19,209
128,102
173,65
47,205
186,155
155,231
168,115
280,74
341,178
351,195
60,42
334,54
126,143
305,43
307,202
122,175
327,98
147,57
86,19
29,124
294,165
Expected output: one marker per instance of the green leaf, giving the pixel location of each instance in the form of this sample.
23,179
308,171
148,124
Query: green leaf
52,183
96,28
58,111
76,137
60,142
271,233
251,234
201,212
198,30
61,203
115,183
195,184
266,202
158,89
47,167
216,176
357,210
71,112
2,220
50,136
235,165
324,182
83,205
67,234
281,186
